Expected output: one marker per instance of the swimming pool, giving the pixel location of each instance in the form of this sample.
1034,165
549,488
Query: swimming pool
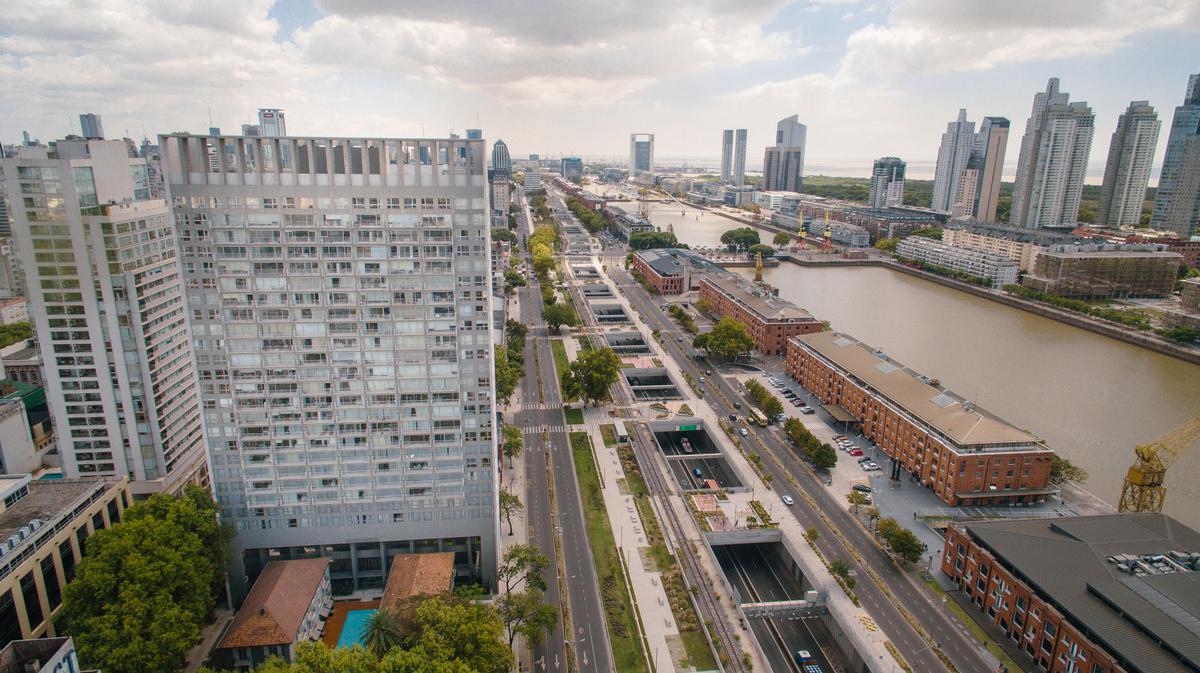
352,630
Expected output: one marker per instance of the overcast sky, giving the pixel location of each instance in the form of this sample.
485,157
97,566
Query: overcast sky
869,78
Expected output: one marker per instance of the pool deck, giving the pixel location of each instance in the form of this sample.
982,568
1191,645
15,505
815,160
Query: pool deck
337,619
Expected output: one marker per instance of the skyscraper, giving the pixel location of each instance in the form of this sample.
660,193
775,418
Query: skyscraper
1127,172
342,321
1177,201
1053,160
501,163
887,182
783,164
727,156
985,168
90,126
271,123
571,168
957,143
107,302
641,153
739,158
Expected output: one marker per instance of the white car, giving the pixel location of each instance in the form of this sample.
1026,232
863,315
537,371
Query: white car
787,500
743,432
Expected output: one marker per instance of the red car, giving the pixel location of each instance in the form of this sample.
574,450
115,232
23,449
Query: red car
856,452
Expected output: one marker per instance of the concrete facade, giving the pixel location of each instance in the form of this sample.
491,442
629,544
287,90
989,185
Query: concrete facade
1130,155
962,454
1053,160
997,268
343,330
1177,198
887,183
957,143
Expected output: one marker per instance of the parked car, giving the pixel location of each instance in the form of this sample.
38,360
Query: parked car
863,488
856,452
766,374
871,466
866,459
807,410
789,394
787,500
800,404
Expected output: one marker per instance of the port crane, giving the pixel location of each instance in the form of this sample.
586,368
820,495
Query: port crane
1143,490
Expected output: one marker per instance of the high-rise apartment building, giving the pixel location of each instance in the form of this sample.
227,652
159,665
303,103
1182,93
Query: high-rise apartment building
1053,160
783,163
1177,200
981,184
727,156
739,158
501,162
641,153
957,143
887,182
342,322
1127,172
271,123
90,126
107,302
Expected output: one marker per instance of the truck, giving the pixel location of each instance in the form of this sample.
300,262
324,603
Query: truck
755,416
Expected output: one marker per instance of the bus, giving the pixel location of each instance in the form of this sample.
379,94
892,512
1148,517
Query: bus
757,417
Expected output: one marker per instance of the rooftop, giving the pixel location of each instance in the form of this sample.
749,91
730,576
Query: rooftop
961,422
47,499
418,575
33,656
663,263
275,608
766,307
1151,621
1018,234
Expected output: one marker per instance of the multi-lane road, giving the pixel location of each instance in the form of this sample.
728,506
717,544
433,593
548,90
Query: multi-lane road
548,457
785,467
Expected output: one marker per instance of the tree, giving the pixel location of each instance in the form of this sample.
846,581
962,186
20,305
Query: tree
507,374
887,244
648,240
543,259
1063,470
381,633
757,248
700,341
145,588
856,499
512,280
592,373
905,544
560,314
464,630
523,563
526,613
316,657
873,514
501,234
887,527
929,232
1180,335
704,306
781,239
823,457
512,442
740,238
510,504
729,339
772,407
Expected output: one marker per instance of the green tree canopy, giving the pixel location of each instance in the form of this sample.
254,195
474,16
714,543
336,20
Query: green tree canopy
14,332
558,315
508,374
781,239
543,258
512,442
502,234
382,632
740,238
646,240
755,249
526,613
523,563
591,374
887,244
729,339
510,504
1063,470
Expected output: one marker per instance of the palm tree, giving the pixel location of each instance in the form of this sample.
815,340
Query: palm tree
381,633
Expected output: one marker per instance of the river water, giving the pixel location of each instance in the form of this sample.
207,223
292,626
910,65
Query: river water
1090,397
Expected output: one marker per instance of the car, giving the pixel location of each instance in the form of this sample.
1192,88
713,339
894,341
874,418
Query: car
863,488
732,418
743,432
766,374
708,371
737,405
871,466
790,395
838,438
856,452
701,379
798,403
807,410
787,500
865,459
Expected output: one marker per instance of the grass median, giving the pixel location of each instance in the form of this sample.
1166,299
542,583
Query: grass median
628,655
561,364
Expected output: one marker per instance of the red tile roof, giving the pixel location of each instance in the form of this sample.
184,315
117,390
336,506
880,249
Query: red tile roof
275,608
418,575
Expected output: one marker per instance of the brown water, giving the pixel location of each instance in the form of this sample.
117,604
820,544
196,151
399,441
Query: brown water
1090,397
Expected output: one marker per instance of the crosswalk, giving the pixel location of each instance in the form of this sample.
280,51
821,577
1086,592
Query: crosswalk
535,406
539,429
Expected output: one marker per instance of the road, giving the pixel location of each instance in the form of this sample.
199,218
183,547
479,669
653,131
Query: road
769,442
547,450
756,580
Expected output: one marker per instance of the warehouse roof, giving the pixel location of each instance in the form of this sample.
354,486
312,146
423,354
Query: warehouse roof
960,421
766,307
1148,618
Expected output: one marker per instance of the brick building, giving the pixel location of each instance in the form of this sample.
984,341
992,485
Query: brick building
960,452
770,320
661,270
1095,594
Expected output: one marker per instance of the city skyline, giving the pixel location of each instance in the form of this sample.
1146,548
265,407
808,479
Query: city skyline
835,63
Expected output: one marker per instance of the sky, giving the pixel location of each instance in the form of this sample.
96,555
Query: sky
868,77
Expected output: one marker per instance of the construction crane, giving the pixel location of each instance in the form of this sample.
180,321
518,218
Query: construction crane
1144,490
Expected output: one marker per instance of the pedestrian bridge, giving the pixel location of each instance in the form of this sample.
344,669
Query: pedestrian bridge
814,607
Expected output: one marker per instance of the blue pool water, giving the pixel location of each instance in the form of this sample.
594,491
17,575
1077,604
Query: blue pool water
352,630
51,475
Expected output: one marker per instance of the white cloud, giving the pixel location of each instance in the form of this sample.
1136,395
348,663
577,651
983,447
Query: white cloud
932,36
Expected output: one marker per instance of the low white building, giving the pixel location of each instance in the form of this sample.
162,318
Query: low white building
773,200
13,309
999,269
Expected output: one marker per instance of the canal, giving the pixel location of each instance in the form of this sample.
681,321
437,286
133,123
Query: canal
1090,397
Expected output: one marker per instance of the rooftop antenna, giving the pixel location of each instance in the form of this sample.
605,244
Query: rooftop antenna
209,116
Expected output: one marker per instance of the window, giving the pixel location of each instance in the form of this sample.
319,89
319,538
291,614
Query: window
10,625
50,581
67,552
33,602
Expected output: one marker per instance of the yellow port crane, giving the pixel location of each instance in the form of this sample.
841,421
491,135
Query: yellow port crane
1144,490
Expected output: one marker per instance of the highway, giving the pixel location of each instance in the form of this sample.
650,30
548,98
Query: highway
756,579
547,450
769,442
